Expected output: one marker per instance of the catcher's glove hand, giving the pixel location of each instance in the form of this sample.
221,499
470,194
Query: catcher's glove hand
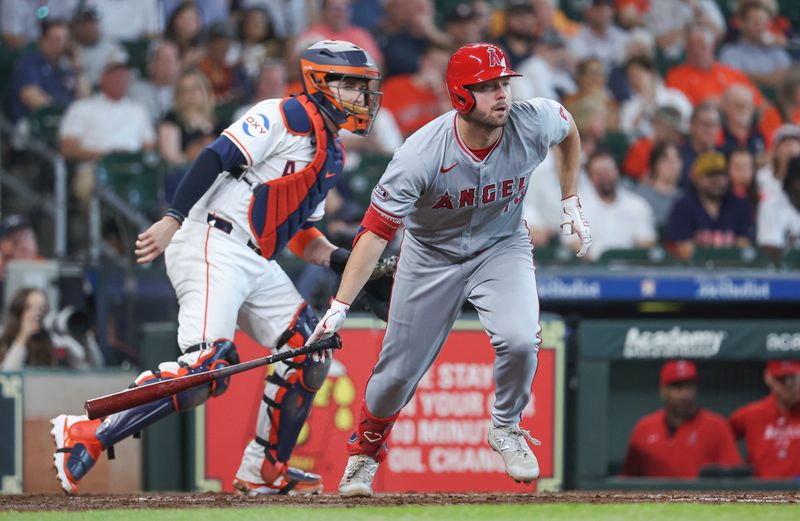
378,290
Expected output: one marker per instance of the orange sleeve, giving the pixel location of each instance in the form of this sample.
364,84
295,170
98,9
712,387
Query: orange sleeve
301,239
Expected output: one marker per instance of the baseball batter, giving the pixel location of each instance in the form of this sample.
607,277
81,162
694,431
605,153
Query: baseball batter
457,185
258,188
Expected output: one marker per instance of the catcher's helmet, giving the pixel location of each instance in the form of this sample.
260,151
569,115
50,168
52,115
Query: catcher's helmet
331,60
471,64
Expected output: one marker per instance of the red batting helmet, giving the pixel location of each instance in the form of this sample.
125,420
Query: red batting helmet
471,64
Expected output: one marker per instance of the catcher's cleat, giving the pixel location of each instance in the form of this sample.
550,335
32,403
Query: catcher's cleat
512,444
287,480
358,476
77,449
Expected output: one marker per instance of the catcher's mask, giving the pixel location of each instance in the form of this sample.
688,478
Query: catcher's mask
352,69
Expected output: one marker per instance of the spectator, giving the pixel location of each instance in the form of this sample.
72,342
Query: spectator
519,35
185,29
271,83
227,82
640,44
649,93
463,25
709,216
91,129
739,125
591,82
667,128
128,20
619,217
406,32
545,74
256,43
702,78
211,11
17,242
704,127
157,91
778,223
599,38
742,171
667,21
770,427
785,146
23,342
787,109
289,17
45,76
20,20
335,25
191,125
415,99
660,188
682,438
755,53
94,48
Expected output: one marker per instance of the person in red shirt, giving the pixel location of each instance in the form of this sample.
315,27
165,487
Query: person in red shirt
415,99
701,77
682,438
771,426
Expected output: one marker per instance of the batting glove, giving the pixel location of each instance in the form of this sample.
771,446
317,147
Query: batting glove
330,324
574,222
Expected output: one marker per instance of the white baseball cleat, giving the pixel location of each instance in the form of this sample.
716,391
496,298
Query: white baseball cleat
512,444
358,476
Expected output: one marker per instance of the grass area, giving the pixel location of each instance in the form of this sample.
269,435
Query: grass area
556,512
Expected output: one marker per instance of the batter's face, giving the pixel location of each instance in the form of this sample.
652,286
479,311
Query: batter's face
492,103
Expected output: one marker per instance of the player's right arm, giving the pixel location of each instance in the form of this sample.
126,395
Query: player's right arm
394,197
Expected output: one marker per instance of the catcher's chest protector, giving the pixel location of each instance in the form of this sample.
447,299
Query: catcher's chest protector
280,207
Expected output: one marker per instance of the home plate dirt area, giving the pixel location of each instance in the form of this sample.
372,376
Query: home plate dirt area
38,502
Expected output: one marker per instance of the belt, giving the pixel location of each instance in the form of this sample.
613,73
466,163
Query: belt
227,227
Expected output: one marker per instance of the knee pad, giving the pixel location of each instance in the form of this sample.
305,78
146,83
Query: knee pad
300,329
220,353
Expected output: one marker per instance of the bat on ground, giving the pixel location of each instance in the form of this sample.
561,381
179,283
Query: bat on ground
130,398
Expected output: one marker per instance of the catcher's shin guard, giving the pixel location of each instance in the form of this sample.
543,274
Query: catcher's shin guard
85,440
286,404
372,435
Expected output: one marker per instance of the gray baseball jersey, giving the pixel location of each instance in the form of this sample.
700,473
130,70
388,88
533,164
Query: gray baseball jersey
464,241
455,202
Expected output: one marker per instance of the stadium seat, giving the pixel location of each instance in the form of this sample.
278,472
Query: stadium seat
137,54
729,257
791,259
363,179
45,123
135,177
635,257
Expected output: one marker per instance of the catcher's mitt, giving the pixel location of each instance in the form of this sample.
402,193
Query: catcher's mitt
378,289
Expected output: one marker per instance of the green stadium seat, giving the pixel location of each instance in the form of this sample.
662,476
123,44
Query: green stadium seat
137,178
45,123
363,179
224,113
635,257
729,257
617,143
137,54
791,259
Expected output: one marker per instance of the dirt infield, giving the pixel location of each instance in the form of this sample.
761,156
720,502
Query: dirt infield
33,502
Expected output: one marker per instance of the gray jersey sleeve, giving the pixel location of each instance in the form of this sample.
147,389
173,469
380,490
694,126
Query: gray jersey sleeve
548,119
405,179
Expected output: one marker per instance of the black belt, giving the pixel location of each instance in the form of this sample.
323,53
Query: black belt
227,227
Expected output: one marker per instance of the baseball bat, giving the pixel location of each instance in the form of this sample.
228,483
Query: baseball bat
130,398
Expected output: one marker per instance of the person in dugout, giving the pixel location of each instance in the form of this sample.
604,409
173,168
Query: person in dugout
682,438
771,426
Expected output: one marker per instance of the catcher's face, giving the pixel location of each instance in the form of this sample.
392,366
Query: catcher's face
492,102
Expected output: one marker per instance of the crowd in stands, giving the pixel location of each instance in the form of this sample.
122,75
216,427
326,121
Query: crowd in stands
688,109
683,440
